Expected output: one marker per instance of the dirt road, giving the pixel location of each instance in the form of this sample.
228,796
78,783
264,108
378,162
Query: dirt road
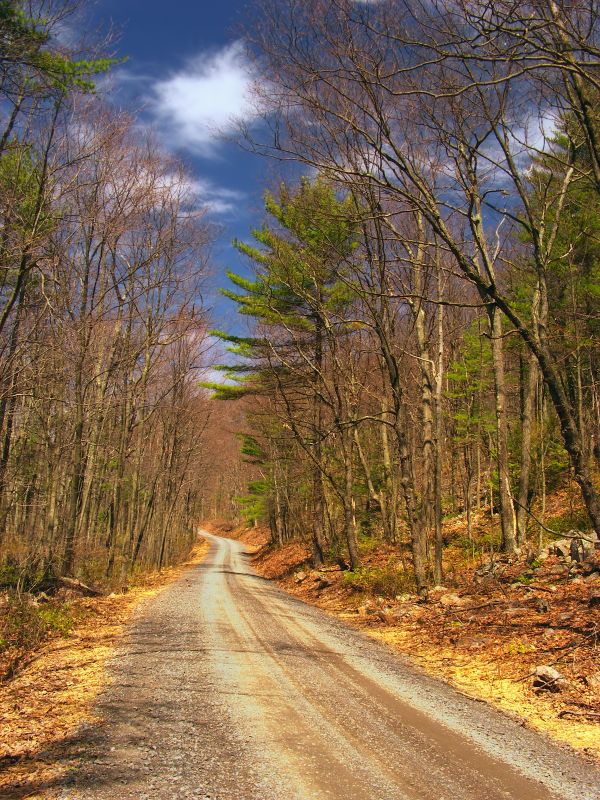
227,688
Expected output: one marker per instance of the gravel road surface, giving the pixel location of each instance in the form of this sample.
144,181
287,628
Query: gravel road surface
227,688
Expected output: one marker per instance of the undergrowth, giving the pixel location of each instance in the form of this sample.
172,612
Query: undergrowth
25,624
387,581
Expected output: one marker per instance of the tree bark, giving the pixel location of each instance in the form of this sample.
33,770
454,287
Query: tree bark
507,515
529,381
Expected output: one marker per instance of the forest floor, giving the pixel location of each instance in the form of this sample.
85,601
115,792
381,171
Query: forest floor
484,634
52,693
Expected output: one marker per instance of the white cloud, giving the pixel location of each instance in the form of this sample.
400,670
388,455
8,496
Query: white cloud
197,104
216,199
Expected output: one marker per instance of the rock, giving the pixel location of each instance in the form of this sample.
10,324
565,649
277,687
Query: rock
531,556
300,576
513,611
541,605
562,548
559,548
367,610
557,569
490,567
593,576
399,614
452,600
548,679
593,680
476,642
594,601
576,550
66,595
565,618
322,583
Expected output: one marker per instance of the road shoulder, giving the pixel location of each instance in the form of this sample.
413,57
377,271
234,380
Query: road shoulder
44,706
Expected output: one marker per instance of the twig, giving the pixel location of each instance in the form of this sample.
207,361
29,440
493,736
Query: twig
587,714
575,646
549,530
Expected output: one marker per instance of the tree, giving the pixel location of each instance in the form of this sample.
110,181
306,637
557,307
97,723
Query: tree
297,301
407,100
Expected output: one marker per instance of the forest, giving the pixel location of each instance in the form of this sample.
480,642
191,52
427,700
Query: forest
417,333
422,338
300,411
103,250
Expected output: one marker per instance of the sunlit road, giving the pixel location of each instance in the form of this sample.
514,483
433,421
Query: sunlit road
228,688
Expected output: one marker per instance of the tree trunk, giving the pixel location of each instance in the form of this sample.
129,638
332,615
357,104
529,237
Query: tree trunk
77,479
438,574
529,381
507,516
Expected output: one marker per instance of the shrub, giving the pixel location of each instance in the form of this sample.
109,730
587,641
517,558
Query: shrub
387,581
24,625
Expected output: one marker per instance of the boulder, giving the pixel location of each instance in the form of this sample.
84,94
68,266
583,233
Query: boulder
548,679
576,550
300,576
452,600
560,548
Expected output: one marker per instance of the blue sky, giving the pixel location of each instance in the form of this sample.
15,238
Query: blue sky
187,77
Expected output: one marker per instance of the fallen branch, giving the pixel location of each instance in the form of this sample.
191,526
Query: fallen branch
460,610
587,714
560,535
64,582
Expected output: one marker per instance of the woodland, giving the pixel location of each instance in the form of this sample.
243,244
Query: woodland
417,338
103,251
399,418
423,307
